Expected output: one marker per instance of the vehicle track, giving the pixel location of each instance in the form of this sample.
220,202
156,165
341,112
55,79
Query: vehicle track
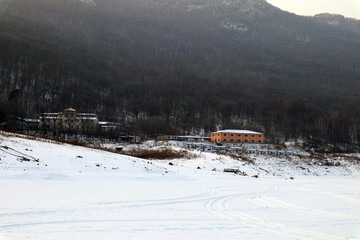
335,195
273,202
220,207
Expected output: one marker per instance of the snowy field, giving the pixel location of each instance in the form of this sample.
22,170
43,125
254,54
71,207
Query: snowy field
58,191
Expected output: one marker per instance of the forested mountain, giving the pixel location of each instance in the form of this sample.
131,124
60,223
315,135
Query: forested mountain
169,66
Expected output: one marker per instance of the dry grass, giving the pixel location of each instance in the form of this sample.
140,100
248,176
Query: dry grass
162,154
238,156
346,157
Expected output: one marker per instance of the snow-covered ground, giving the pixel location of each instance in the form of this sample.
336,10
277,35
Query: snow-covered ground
58,191
301,164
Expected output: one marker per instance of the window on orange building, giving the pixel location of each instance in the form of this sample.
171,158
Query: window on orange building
246,140
232,135
225,134
224,140
259,141
246,135
239,135
239,140
253,136
232,140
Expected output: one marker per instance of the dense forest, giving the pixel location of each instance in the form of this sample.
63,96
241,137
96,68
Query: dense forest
166,66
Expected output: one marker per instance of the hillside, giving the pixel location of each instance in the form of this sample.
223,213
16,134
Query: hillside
168,66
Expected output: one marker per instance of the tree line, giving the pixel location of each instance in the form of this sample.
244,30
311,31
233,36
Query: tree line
162,75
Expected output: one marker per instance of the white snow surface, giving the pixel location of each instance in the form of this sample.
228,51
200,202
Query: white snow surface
50,190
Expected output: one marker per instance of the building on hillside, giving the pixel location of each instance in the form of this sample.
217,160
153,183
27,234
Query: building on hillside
237,136
168,137
193,138
26,123
69,120
186,138
109,126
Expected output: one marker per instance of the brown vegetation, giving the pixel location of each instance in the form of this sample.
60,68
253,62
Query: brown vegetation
162,154
235,170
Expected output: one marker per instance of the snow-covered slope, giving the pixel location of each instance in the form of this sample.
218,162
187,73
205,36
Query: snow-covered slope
56,191
301,164
42,159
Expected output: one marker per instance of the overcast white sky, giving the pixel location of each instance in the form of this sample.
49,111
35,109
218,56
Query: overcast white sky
348,8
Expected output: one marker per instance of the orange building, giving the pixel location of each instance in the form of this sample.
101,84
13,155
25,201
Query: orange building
237,136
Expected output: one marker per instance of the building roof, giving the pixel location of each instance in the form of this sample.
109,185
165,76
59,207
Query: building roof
69,110
28,120
80,116
238,131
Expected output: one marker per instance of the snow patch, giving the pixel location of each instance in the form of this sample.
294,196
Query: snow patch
235,26
91,3
192,7
333,22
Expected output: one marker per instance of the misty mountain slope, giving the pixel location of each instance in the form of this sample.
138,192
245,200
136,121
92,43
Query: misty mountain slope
198,63
212,31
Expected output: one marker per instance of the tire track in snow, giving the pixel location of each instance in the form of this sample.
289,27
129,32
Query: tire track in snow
219,206
205,196
95,207
335,195
29,220
80,221
275,203
194,198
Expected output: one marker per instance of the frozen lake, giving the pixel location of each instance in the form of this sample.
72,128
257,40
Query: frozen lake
245,208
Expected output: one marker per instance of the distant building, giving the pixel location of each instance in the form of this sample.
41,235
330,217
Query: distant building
26,123
168,137
194,138
69,120
237,136
184,138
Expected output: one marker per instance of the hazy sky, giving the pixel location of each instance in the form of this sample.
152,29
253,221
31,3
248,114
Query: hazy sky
348,8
